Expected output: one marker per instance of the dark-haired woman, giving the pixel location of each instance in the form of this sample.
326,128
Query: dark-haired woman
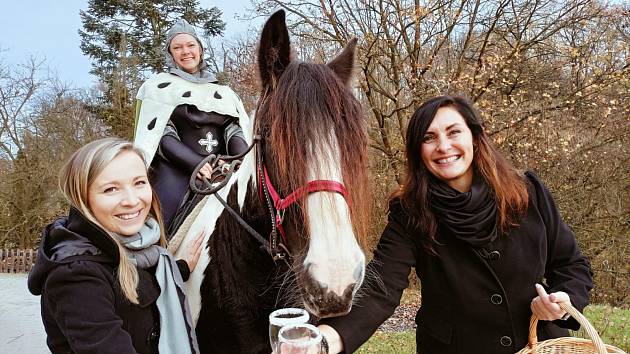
487,242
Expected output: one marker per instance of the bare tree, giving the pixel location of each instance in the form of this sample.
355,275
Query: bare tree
42,122
17,88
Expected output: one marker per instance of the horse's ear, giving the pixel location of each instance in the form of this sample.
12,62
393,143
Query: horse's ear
343,64
274,50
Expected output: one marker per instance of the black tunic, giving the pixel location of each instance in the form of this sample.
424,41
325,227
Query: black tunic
472,304
190,136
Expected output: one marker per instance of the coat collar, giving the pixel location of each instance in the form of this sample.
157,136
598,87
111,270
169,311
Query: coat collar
79,224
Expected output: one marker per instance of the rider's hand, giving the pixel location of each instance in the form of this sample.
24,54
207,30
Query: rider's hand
205,171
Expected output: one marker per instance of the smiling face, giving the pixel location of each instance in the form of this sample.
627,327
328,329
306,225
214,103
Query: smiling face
120,196
186,52
447,149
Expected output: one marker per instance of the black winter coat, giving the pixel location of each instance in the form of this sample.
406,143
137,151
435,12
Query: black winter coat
82,307
473,303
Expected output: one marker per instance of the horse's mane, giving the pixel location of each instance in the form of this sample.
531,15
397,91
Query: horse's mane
303,114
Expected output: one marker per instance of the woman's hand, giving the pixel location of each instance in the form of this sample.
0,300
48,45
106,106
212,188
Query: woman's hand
194,251
335,345
545,306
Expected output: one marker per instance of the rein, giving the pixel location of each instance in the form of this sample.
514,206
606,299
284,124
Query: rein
275,203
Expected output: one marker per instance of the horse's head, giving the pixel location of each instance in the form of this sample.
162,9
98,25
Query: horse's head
313,129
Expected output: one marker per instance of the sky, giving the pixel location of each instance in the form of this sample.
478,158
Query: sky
48,30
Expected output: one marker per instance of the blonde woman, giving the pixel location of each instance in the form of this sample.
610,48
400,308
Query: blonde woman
107,285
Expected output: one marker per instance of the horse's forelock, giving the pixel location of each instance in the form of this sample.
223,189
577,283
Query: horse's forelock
309,103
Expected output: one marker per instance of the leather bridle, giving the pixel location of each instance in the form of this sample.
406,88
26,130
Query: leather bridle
281,204
277,206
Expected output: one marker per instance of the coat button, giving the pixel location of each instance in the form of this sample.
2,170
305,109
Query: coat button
494,255
154,334
496,299
506,341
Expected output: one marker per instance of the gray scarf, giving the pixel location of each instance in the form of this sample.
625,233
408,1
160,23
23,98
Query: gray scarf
200,77
143,251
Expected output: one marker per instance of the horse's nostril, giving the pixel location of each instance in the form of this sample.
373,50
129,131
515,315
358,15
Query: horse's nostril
347,294
329,304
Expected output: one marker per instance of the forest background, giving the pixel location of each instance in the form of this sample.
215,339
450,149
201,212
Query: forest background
551,79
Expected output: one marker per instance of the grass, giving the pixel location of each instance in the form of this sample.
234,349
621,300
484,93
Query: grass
394,343
612,323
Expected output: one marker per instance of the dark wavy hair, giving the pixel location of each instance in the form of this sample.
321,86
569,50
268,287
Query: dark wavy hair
508,184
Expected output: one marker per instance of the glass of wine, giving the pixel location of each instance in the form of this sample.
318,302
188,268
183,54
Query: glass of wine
300,339
281,318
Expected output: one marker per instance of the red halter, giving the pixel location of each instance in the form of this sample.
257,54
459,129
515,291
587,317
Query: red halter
281,204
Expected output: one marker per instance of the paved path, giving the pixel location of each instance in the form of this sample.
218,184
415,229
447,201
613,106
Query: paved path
21,328
22,331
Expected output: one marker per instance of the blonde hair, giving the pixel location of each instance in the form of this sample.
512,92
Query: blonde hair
75,178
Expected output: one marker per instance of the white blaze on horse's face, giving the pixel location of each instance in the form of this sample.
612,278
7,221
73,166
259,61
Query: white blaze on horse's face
335,263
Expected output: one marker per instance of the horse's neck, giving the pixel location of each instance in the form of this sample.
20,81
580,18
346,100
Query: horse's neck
243,198
241,267
241,255
246,177
236,289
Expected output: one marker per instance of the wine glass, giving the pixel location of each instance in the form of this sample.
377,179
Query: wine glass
300,339
284,317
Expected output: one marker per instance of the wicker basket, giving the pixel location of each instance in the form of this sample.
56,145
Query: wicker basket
568,345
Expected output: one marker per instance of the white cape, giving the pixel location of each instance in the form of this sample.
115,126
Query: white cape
158,97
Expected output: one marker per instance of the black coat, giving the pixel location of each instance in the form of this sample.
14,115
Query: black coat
82,307
472,304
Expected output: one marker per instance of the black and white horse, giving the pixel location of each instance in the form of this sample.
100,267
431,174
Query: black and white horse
311,151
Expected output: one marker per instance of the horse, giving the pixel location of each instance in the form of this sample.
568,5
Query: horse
309,144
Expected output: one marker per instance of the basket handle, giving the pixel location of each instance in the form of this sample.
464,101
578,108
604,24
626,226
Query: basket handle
566,306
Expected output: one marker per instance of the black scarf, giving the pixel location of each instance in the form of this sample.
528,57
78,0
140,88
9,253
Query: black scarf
470,217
